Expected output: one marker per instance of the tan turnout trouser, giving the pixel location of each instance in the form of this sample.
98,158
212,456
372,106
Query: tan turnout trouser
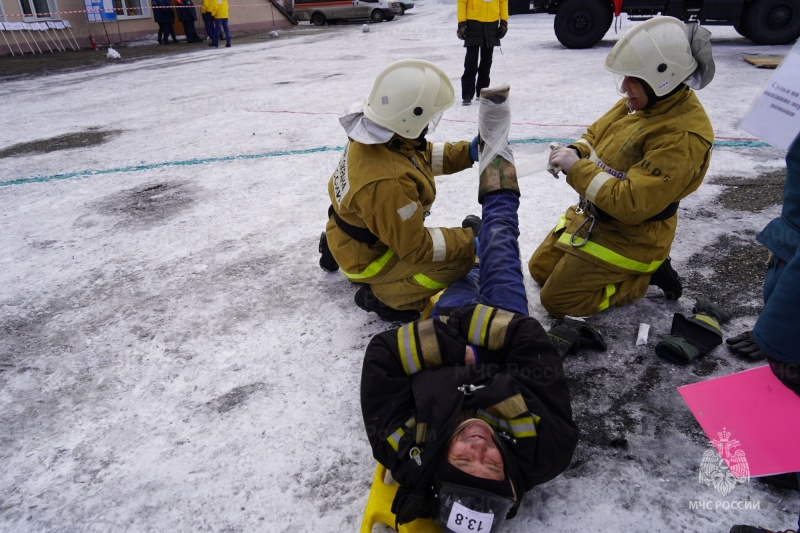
572,285
407,286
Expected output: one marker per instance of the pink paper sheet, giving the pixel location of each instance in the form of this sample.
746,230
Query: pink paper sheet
755,409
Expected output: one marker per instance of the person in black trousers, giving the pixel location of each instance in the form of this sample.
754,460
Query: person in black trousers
187,15
481,25
164,16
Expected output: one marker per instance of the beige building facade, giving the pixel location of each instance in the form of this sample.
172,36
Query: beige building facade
50,26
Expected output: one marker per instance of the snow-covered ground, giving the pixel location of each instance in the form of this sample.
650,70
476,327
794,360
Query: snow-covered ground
172,358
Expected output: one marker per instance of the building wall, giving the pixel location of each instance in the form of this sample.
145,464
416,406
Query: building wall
245,15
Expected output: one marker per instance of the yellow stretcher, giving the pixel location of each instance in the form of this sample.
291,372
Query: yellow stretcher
381,495
379,508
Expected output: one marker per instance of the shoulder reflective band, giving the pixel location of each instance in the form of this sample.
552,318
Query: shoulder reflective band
524,426
510,407
612,257
373,268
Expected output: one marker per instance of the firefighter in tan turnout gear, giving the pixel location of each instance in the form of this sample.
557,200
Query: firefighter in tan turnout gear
383,188
631,169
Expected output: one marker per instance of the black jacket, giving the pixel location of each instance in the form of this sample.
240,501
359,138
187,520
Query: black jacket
481,34
163,12
411,402
186,11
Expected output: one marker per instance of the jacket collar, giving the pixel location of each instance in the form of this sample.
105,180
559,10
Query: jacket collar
662,106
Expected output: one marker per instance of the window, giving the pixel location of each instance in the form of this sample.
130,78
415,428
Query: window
131,8
39,10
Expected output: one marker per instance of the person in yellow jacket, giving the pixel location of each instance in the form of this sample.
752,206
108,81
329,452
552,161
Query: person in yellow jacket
383,188
631,169
209,7
481,25
220,12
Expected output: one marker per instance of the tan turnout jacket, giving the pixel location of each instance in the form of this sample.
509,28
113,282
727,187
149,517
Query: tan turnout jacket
633,167
388,189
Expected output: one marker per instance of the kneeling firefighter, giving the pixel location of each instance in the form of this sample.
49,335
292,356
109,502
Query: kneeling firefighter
631,169
383,188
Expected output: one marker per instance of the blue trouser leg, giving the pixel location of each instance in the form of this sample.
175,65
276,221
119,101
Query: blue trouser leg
208,22
501,271
497,281
215,36
227,32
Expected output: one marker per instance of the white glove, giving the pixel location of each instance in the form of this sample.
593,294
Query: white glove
550,168
562,158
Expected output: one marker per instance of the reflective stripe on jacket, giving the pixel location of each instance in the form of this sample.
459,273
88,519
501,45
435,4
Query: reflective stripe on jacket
633,166
388,189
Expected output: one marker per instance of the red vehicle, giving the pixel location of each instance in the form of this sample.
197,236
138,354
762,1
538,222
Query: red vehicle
582,23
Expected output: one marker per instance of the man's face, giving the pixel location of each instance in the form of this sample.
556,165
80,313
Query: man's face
633,89
473,450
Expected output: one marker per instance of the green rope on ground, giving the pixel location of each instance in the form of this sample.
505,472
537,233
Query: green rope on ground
189,162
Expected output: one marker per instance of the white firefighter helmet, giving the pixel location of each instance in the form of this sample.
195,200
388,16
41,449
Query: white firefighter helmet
656,51
408,96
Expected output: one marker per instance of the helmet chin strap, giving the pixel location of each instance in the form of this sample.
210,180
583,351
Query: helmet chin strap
421,139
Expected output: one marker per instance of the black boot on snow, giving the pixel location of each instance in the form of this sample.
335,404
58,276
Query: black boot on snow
326,260
367,301
666,279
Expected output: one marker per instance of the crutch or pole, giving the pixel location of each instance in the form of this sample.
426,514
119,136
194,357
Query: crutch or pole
19,26
67,25
2,31
51,26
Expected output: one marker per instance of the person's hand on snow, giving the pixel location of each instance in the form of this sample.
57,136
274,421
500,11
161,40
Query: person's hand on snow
562,158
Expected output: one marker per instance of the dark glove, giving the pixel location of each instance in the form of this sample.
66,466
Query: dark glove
462,30
591,338
473,222
677,350
703,307
744,345
569,335
502,29
473,149
701,331
565,338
